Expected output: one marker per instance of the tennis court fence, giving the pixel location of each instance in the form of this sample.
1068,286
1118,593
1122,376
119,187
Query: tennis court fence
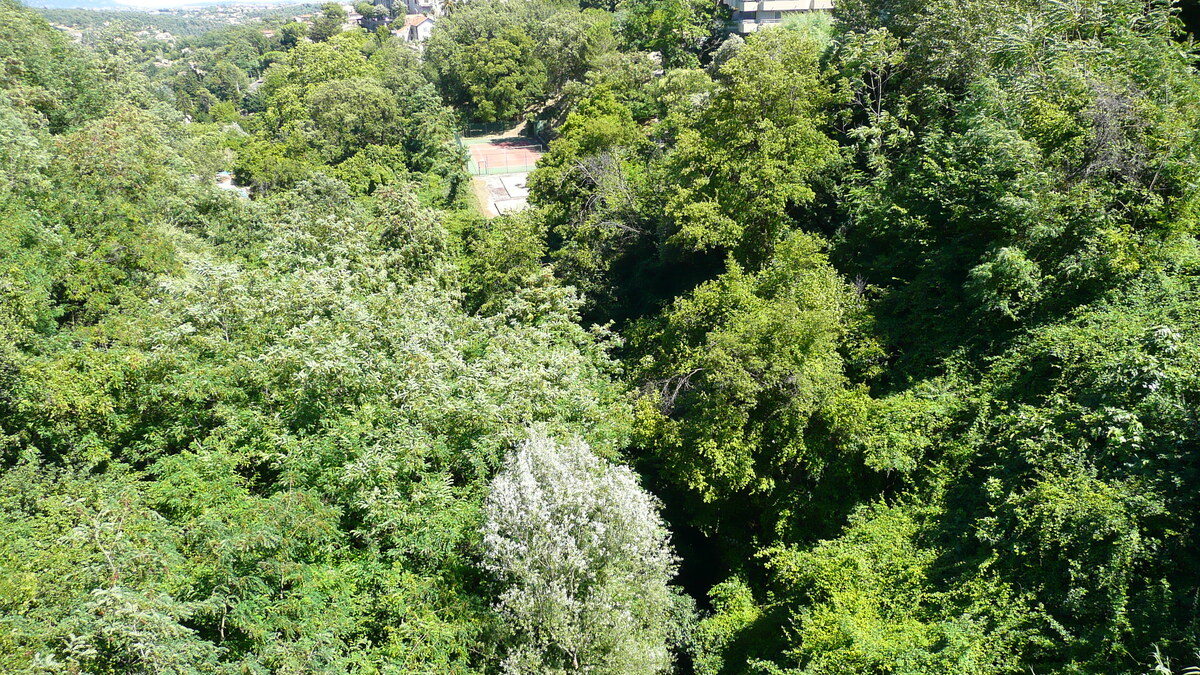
501,156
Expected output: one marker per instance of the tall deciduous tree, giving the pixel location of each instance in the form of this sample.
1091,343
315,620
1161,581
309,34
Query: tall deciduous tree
499,77
677,29
351,114
745,389
329,23
292,34
753,152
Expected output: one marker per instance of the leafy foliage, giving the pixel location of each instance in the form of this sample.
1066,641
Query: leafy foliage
497,61
584,561
894,314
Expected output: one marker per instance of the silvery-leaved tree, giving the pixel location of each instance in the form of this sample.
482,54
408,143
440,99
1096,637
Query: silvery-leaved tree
584,561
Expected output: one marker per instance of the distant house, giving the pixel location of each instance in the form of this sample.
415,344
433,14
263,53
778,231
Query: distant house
416,28
426,7
352,18
751,15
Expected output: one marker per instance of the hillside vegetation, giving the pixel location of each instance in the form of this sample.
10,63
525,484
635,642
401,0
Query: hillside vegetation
863,344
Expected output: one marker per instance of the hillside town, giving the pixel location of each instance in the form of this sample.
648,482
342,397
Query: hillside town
411,21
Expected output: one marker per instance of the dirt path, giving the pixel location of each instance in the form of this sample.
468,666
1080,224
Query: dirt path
507,133
482,198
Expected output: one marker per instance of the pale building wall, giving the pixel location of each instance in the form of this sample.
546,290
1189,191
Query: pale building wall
751,15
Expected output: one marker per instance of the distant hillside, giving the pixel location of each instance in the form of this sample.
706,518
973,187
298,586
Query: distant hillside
179,21
76,4
146,4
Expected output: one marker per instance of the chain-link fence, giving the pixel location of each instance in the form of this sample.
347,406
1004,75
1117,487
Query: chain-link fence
497,156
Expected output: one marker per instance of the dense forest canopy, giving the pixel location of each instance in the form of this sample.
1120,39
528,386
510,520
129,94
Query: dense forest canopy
866,343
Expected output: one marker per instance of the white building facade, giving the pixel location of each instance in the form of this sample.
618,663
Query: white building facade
751,15
427,7
415,28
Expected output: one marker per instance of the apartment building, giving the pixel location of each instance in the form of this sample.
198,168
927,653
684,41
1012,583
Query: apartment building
426,7
750,15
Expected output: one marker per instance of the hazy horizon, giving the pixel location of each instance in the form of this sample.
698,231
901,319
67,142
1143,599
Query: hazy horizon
142,5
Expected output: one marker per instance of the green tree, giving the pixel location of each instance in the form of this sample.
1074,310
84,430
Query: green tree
676,29
868,606
328,23
569,42
46,72
292,33
500,78
266,166
751,155
490,57
739,376
591,187
351,114
227,81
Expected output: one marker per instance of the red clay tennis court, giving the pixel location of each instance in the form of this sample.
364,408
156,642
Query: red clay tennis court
502,155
